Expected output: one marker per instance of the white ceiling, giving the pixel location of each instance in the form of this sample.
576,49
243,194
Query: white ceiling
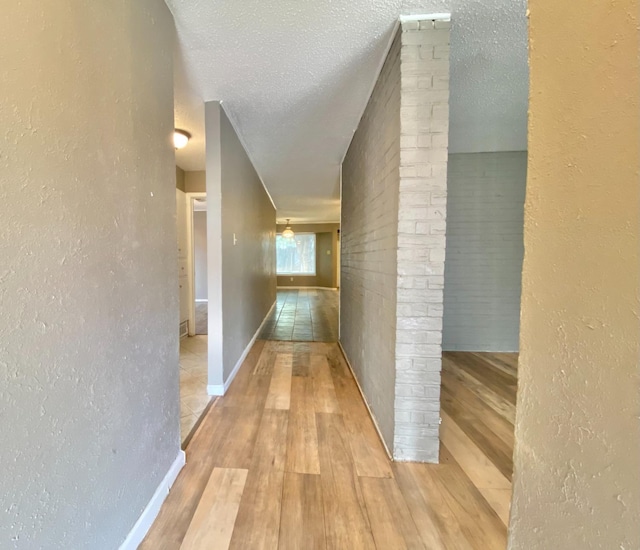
295,75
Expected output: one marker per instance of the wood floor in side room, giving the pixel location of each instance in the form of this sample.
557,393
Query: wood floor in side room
290,459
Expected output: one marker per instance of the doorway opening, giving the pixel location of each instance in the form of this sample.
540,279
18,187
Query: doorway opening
201,302
482,284
191,226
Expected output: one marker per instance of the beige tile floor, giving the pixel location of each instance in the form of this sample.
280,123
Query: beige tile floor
193,381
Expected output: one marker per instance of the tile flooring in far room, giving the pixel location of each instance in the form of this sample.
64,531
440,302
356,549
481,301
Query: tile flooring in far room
193,382
303,315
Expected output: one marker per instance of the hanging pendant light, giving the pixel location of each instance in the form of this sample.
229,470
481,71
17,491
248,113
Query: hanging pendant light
288,232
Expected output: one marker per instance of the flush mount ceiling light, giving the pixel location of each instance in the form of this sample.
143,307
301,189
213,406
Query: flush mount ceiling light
288,232
180,138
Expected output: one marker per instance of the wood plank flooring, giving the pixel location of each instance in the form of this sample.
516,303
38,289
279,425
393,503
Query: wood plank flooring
289,459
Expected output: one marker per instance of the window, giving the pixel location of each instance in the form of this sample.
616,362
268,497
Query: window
297,255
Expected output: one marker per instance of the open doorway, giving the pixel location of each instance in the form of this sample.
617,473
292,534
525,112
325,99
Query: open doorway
199,205
196,265
481,318
191,229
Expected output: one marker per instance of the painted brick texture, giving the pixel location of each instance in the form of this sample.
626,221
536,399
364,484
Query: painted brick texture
393,241
369,236
424,123
483,267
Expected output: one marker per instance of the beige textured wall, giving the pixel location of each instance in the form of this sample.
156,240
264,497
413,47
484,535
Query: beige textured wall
195,181
183,245
577,454
180,179
89,405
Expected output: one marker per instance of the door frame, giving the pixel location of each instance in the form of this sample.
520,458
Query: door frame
191,269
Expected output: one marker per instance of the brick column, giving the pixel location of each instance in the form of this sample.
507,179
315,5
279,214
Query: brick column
424,126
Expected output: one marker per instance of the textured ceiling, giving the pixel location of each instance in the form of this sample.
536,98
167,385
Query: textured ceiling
294,77
489,87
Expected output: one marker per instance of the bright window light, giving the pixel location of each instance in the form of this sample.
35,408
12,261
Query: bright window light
297,255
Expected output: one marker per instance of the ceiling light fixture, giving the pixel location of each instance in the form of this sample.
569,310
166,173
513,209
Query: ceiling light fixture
288,232
180,138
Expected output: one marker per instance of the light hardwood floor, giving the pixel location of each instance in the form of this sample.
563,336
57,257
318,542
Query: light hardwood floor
289,459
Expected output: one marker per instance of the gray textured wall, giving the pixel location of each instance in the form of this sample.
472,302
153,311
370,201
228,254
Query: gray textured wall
369,238
483,267
88,270
200,253
242,276
248,267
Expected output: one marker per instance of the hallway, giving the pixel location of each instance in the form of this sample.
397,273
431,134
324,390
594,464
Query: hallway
290,459
308,315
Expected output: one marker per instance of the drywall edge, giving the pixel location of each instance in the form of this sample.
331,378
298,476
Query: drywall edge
221,389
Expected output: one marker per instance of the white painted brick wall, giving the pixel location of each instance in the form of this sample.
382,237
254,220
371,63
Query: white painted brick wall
483,265
369,233
393,241
422,214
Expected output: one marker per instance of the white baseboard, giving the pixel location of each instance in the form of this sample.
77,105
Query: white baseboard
221,389
203,300
373,418
215,389
151,510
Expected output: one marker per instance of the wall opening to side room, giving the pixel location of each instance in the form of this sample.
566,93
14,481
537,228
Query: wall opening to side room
193,345
486,181
200,294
